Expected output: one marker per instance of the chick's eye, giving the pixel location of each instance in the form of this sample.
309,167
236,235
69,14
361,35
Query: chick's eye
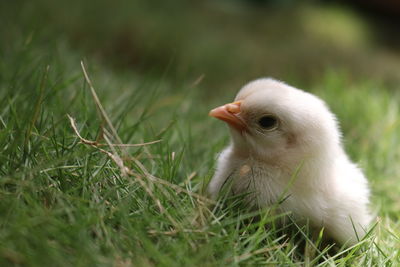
268,122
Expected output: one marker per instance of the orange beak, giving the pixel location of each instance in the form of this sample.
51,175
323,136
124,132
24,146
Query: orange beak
229,114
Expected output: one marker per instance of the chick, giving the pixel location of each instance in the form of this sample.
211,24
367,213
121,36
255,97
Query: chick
285,141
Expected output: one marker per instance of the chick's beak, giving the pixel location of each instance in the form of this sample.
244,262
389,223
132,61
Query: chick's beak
229,114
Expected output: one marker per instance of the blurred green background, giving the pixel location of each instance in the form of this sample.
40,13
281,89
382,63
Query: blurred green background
222,43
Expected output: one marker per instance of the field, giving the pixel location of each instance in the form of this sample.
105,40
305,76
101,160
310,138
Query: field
79,80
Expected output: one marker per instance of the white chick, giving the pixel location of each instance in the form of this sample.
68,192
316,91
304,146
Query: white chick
286,141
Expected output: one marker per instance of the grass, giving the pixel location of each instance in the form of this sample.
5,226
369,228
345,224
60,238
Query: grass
66,203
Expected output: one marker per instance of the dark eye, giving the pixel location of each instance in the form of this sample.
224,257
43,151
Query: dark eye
268,122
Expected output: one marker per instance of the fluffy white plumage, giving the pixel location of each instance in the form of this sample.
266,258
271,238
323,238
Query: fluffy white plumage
278,131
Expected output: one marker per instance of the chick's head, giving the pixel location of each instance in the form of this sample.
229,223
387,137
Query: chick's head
270,120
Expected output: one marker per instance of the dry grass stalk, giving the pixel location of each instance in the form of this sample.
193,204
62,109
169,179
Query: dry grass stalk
147,180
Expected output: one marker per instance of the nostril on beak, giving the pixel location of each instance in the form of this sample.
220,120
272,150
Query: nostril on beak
233,107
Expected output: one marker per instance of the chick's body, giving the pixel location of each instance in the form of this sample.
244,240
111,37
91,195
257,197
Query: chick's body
286,146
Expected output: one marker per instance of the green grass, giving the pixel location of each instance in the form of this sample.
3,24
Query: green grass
65,203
